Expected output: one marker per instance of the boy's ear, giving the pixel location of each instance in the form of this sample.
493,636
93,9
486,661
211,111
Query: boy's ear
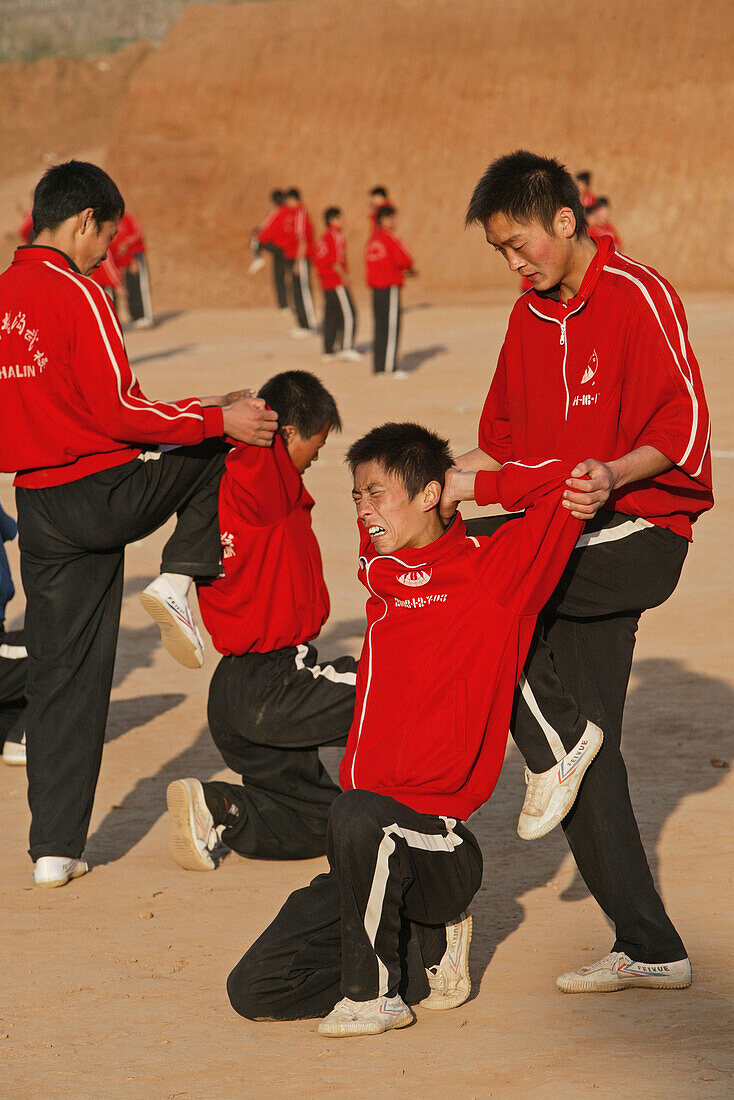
431,495
287,431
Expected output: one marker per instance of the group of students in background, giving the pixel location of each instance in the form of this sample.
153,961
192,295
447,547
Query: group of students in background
596,208
288,235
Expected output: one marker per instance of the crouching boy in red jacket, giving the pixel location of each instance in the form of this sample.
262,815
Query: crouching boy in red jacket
387,924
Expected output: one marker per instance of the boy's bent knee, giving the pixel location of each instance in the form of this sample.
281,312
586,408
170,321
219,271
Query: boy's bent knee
243,994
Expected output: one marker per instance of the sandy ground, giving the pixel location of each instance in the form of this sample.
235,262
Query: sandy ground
113,987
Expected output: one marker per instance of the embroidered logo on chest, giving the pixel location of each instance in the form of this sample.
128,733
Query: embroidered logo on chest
591,368
228,550
415,578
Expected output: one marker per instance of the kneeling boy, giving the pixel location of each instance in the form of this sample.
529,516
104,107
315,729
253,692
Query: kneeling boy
271,704
387,925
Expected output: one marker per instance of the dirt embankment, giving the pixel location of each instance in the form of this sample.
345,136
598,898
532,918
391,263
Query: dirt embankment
420,95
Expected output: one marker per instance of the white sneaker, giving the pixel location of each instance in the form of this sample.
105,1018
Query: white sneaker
257,265
300,333
399,374
328,357
550,795
191,832
14,752
365,1017
50,871
173,615
351,355
449,981
618,971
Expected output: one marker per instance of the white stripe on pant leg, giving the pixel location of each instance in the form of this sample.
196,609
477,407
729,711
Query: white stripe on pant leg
613,534
306,293
551,735
429,842
392,330
327,671
347,317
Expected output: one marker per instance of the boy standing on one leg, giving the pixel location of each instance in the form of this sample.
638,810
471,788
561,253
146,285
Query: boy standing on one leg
387,925
272,704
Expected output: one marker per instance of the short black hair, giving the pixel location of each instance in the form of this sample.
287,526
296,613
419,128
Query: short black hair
331,212
526,187
379,191
293,193
386,211
67,189
301,399
601,201
414,454
277,197
584,177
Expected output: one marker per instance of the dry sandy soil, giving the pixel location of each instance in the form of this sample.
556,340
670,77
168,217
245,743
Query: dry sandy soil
114,987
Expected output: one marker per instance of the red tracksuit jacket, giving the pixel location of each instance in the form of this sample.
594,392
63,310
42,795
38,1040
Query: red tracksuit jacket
387,257
273,229
297,229
602,374
128,241
330,250
273,593
71,403
448,630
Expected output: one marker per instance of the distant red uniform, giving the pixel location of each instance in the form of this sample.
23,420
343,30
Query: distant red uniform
588,198
387,258
276,228
128,242
330,250
25,229
297,230
596,232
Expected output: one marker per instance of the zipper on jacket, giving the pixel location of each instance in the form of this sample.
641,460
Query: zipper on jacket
562,341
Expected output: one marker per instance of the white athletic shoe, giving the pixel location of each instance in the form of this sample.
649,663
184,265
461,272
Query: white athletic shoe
173,615
50,871
328,357
449,981
618,971
144,322
550,795
399,374
192,835
14,753
351,355
257,265
365,1017
300,333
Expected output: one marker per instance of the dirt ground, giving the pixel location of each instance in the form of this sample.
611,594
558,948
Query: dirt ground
114,987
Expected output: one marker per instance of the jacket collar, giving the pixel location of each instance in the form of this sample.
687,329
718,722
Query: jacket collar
557,311
40,252
448,544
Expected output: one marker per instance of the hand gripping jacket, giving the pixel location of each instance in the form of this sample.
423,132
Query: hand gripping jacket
448,629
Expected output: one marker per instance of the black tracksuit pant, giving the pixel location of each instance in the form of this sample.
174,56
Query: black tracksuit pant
281,268
302,299
268,714
13,676
372,925
137,284
578,669
340,320
72,542
386,311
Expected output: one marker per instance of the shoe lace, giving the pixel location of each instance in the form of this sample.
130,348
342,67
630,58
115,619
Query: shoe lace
535,794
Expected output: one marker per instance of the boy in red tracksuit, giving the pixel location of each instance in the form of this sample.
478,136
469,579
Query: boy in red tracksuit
272,704
340,316
426,745
129,254
597,215
388,260
271,237
298,249
596,362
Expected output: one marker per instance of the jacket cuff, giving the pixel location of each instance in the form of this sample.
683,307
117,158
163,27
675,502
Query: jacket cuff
213,421
486,487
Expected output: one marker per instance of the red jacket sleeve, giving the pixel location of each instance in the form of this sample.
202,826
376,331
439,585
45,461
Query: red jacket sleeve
663,399
494,424
398,250
524,560
108,387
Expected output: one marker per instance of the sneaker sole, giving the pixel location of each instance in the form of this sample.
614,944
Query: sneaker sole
181,830
173,638
53,883
360,1027
534,831
15,758
442,1004
583,985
